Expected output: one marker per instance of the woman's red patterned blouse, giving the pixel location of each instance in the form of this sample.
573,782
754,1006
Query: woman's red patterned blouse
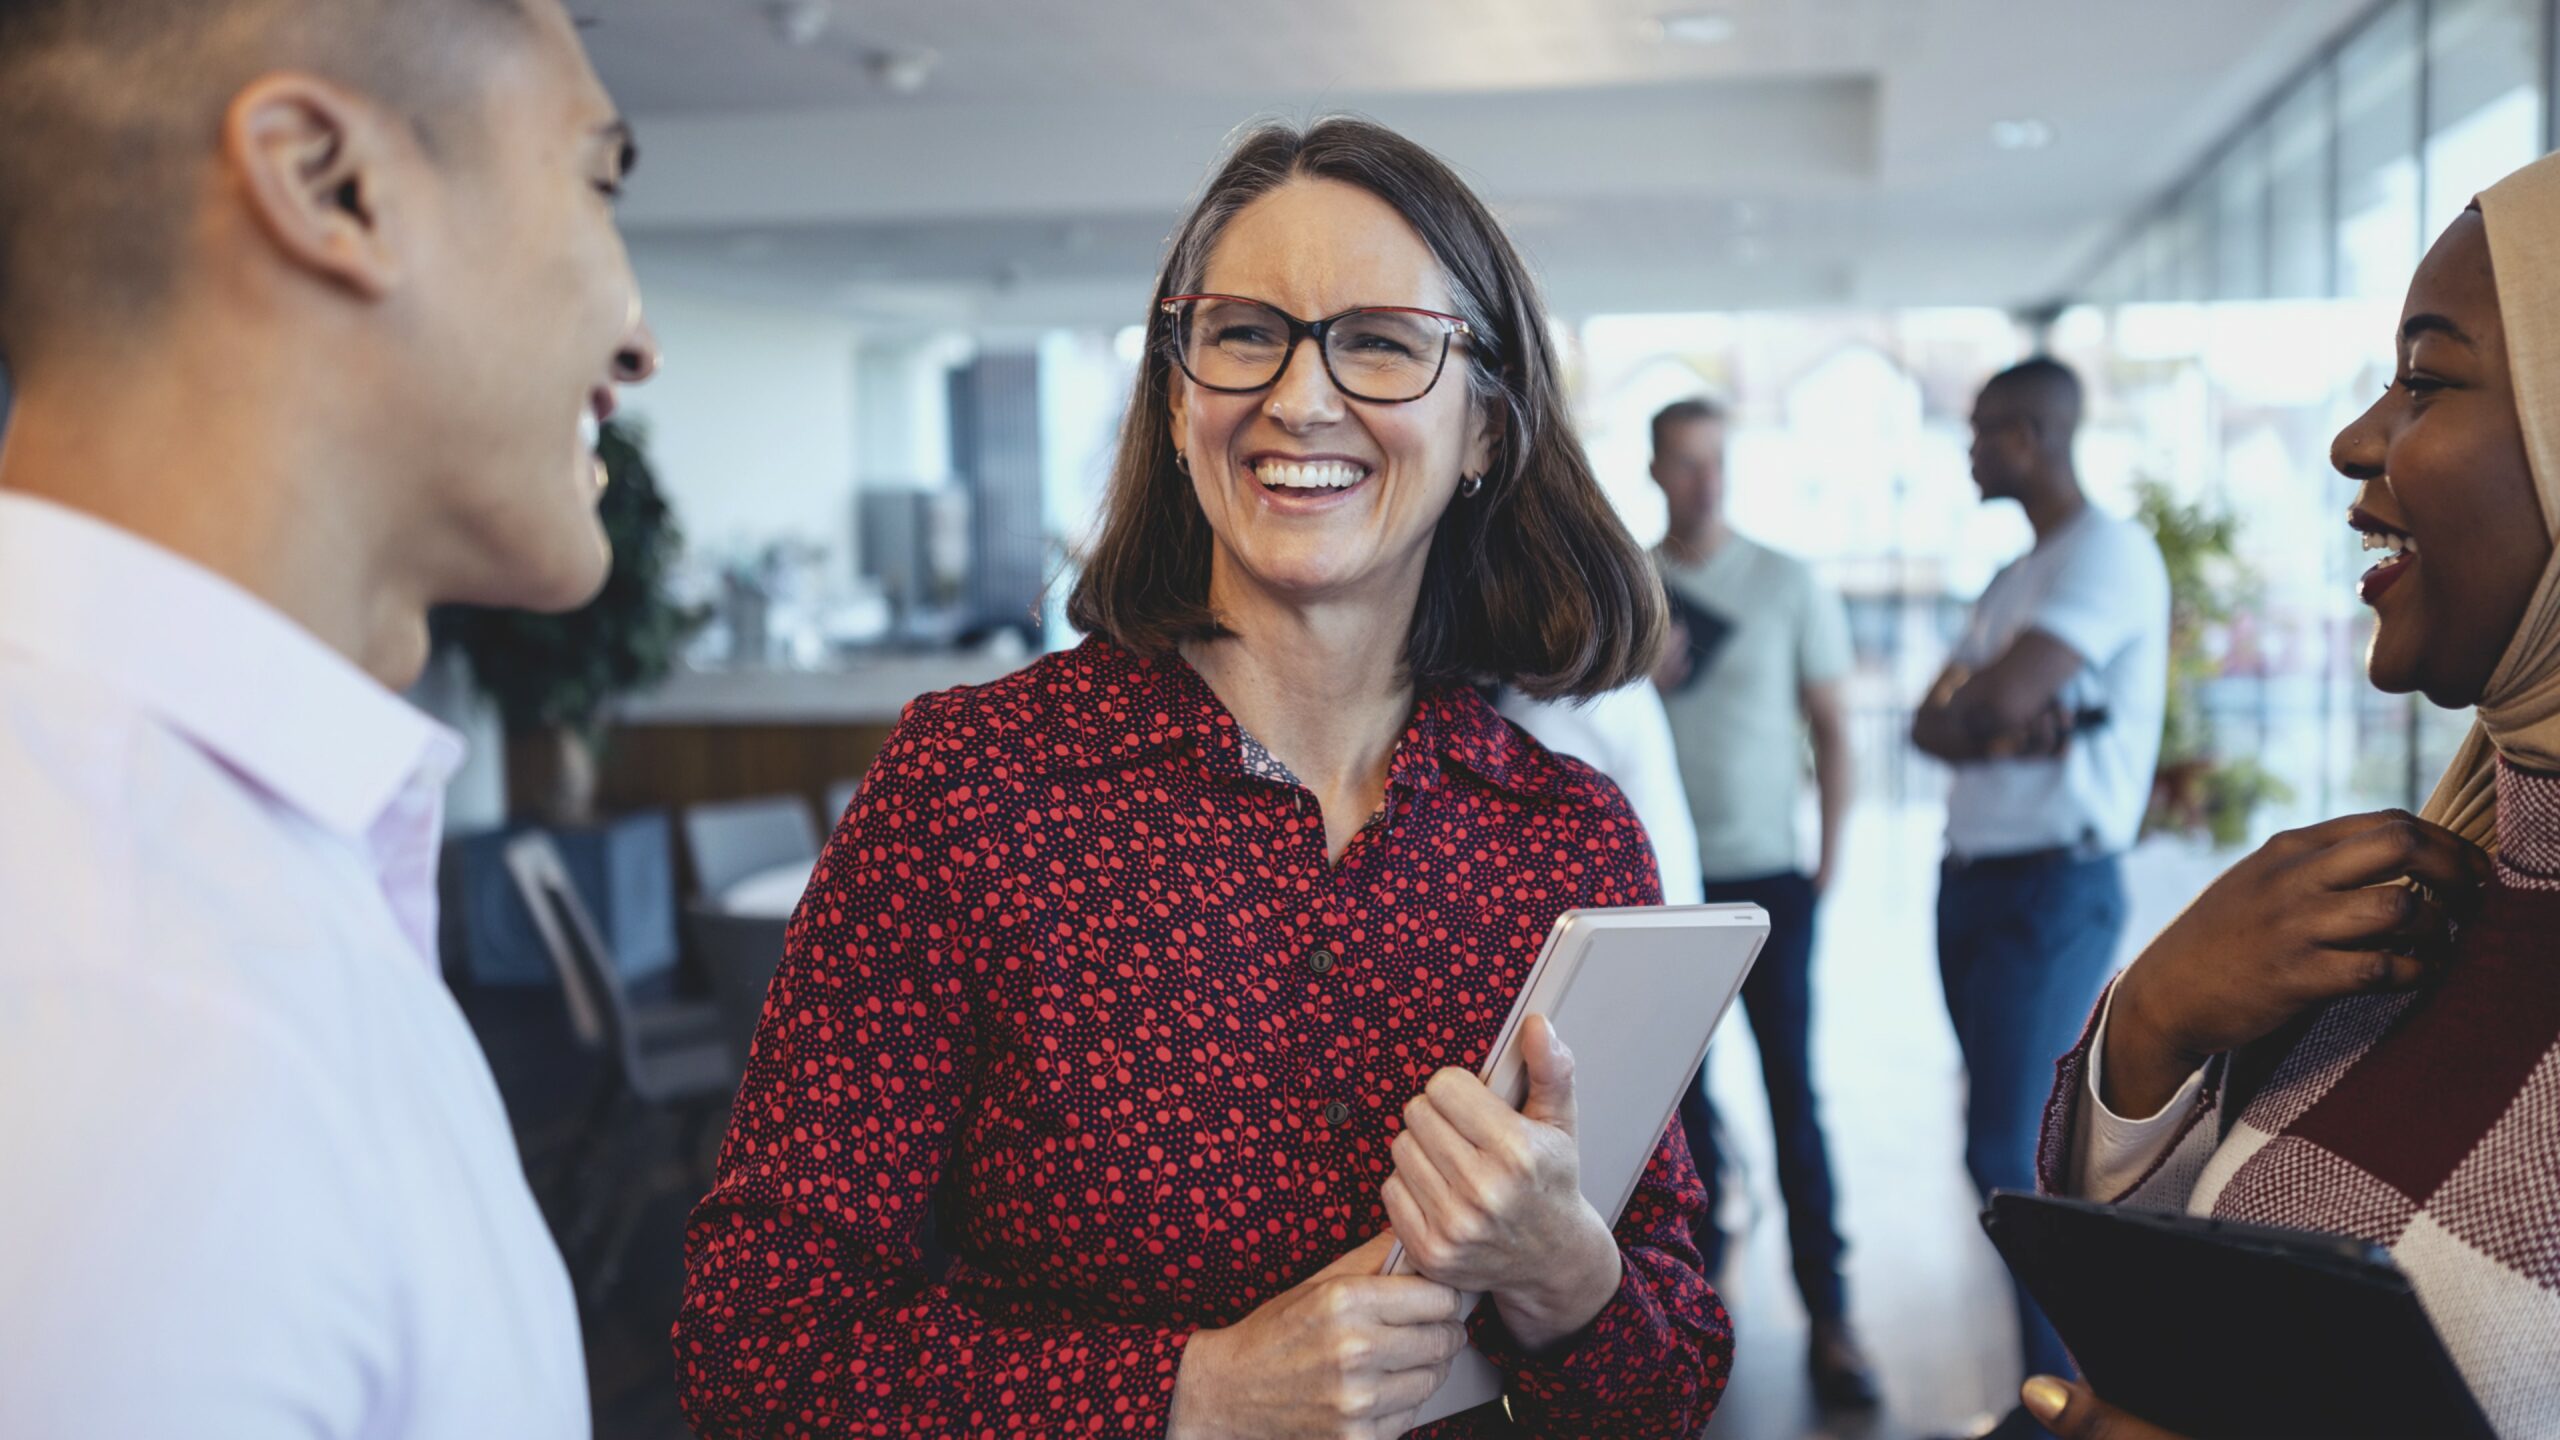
1077,991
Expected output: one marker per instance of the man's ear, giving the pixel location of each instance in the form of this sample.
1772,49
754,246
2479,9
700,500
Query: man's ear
314,164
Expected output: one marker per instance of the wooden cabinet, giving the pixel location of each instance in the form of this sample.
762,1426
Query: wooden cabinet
672,766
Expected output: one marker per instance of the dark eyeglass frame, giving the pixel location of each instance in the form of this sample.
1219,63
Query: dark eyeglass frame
1451,327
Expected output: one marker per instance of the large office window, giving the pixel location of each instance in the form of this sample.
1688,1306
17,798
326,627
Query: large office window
2485,109
2379,195
2301,225
2238,191
2229,337
1849,433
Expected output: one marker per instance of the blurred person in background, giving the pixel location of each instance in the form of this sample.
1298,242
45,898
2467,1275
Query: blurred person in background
2357,1029
1626,736
2049,712
1759,651
1154,978
311,308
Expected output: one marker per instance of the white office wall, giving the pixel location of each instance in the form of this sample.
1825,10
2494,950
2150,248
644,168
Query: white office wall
904,387
751,422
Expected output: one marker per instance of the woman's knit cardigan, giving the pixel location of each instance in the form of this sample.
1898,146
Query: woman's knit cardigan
2428,1122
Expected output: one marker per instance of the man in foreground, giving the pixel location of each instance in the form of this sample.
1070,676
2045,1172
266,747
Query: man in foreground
310,307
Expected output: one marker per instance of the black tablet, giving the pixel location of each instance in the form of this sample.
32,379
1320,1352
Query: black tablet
2236,1332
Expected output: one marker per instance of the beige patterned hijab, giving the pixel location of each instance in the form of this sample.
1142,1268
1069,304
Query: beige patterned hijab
2519,714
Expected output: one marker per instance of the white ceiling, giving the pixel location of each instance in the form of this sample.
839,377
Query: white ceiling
1831,152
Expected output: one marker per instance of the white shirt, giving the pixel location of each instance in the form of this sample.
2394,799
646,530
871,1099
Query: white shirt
2096,585
1626,736
2110,1153
260,1181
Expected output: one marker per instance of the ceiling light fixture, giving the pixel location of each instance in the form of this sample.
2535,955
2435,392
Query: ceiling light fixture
2024,134
902,72
800,24
1697,27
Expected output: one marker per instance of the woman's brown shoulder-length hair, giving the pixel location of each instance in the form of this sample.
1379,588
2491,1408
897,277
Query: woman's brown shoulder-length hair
1532,583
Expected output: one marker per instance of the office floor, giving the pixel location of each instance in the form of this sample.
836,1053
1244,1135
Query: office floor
1925,1287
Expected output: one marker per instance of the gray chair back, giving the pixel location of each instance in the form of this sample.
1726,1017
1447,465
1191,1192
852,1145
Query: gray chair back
840,797
730,840
599,1011
739,953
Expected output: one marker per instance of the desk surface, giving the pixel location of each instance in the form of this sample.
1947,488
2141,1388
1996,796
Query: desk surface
869,691
770,894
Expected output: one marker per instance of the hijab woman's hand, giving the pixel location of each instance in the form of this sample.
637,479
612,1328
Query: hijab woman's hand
2312,916
2074,1412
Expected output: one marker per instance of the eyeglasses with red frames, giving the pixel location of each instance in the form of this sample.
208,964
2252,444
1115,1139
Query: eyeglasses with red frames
1385,354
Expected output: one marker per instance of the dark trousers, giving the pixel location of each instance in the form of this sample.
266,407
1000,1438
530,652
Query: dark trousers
2024,947
1779,999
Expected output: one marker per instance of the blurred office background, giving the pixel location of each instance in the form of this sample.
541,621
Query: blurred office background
899,253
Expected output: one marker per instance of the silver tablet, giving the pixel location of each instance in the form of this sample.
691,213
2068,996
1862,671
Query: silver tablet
1636,994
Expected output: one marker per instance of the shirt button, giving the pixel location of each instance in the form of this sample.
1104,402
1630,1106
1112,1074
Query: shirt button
1335,1112
1320,960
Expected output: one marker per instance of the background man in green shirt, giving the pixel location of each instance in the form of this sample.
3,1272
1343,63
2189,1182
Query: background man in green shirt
1756,661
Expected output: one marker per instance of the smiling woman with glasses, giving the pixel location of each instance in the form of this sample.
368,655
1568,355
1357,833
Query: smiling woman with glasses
1150,982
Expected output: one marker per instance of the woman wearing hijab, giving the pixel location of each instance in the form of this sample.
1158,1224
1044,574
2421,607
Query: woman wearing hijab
2317,1043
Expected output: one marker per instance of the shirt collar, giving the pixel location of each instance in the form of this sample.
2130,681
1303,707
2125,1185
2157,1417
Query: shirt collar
1121,705
249,686
1726,556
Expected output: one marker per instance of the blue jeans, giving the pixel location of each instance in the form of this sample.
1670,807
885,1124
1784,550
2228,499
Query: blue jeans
2024,947
1778,997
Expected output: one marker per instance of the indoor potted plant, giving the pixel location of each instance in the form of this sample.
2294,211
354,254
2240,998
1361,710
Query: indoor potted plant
552,676
2196,790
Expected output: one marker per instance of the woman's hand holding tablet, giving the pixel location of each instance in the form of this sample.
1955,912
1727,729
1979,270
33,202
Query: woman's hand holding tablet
1654,980
1489,1199
1349,1351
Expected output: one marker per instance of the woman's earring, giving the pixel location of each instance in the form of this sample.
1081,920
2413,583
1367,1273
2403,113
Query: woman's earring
1182,462
1471,486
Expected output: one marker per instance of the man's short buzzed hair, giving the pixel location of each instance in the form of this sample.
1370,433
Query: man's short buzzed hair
2048,391
1697,409
109,112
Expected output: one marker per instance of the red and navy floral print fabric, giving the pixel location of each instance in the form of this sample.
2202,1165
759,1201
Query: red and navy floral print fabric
1076,990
